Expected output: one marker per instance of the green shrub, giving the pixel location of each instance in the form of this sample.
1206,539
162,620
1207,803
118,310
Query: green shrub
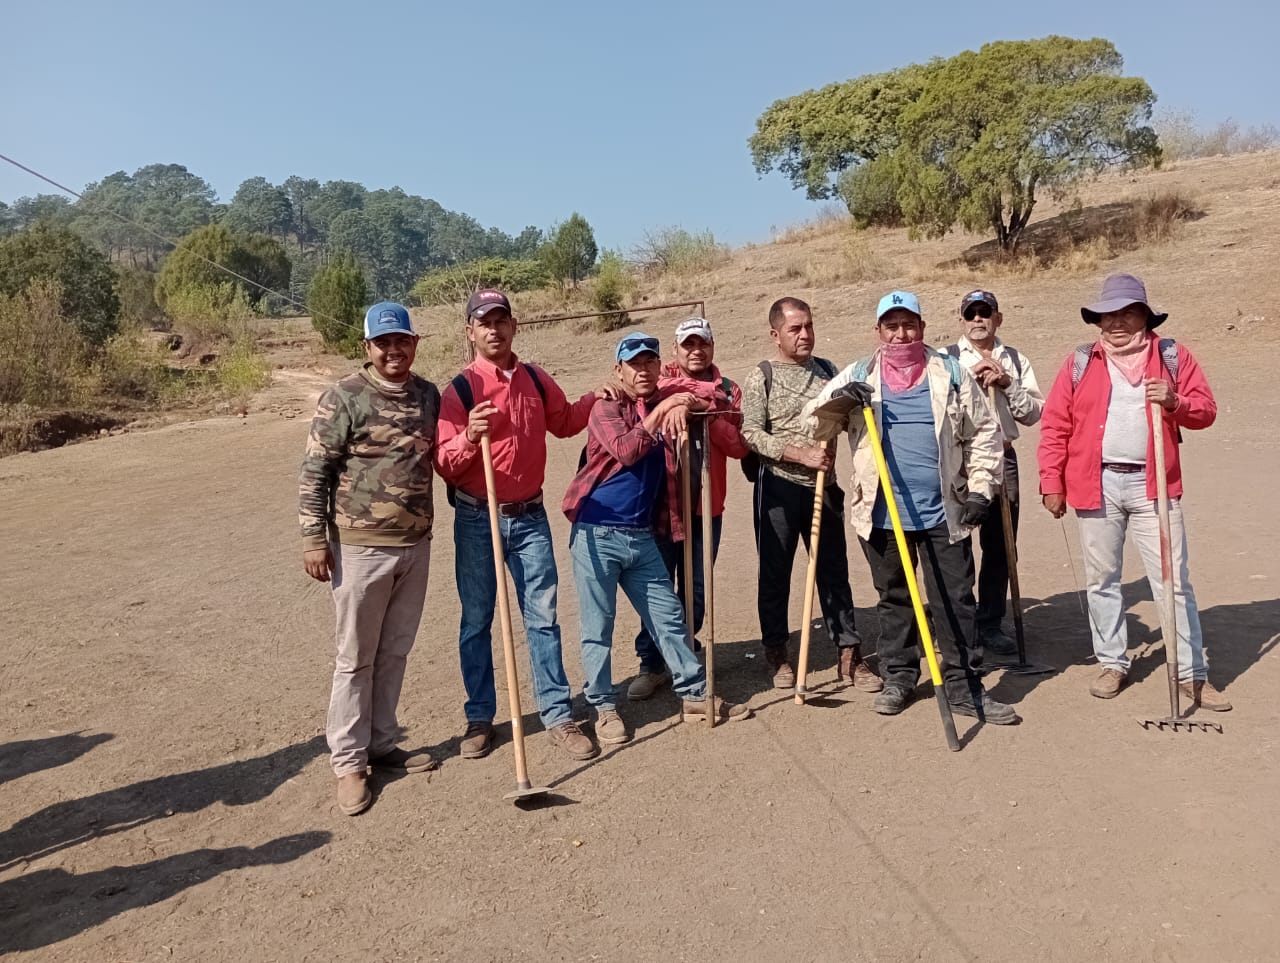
203,258
241,371
44,360
84,277
612,288
211,312
677,251
870,191
135,367
453,285
136,289
336,299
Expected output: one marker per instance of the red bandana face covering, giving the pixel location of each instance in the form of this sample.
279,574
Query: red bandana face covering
902,365
1131,359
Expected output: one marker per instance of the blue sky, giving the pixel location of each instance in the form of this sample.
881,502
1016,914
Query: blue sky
635,115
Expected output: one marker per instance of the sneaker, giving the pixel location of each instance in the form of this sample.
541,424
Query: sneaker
646,684
989,710
570,737
1204,695
477,740
784,677
994,640
891,700
725,711
610,729
402,760
1108,684
353,794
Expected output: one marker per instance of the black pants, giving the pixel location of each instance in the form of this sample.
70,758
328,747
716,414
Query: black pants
783,514
993,575
948,581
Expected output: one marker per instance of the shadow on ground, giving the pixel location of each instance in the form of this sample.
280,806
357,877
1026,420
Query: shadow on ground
22,758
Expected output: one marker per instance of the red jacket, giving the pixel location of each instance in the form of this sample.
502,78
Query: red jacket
1073,422
518,432
726,436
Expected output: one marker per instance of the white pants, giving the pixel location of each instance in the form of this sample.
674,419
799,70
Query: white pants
378,592
1126,508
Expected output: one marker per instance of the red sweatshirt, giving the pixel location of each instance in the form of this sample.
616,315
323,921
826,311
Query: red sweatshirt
518,431
1073,423
726,436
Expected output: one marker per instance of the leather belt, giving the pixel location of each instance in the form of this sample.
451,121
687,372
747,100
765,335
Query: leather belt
1123,467
505,509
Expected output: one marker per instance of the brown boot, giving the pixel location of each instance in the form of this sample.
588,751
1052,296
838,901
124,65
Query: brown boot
1108,684
725,711
784,677
353,793
852,669
1203,695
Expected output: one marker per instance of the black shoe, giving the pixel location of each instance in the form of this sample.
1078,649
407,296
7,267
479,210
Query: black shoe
892,700
989,710
993,640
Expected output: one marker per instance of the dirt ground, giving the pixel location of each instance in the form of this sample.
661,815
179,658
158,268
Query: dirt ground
164,787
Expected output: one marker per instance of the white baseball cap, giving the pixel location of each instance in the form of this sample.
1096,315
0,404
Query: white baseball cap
687,329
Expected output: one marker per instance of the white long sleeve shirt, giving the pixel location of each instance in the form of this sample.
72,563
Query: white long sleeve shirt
1019,404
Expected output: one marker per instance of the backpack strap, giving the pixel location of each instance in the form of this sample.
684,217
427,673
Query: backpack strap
1016,359
1169,355
828,366
766,369
463,387
955,370
953,350
537,381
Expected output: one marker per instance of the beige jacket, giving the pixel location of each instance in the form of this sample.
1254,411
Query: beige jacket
970,444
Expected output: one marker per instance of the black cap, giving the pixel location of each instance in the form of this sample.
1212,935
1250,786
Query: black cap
484,301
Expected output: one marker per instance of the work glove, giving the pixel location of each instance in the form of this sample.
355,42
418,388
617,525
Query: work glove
975,509
857,391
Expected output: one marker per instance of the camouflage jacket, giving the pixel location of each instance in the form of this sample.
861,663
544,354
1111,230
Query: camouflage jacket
367,469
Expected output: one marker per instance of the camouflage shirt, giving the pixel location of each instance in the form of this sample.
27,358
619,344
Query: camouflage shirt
367,468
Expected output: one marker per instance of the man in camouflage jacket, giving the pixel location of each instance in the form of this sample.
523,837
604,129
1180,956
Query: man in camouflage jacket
364,502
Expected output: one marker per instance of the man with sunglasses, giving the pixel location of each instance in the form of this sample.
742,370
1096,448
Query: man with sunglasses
517,404
616,505
1018,402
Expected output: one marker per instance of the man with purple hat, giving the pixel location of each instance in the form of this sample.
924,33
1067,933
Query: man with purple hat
364,502
1097,455
516,404
997,365
616,505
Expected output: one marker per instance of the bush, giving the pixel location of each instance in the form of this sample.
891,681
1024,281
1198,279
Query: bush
211,312
241,371
870,191
336,300
84,278
203,258
44,361
133,367
453,285
136,289
571,252
677,251
1181,137
612,288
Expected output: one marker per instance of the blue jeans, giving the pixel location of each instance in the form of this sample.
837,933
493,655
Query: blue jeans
526,543
673,559
605,557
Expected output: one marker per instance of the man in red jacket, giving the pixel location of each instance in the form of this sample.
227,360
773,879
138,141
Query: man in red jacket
695,351
1097,454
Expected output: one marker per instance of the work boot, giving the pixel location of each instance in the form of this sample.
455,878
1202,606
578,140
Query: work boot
993,639
477,740
1108,684
401,760
570,737
851,668
892,700
644,685
725,711
353,793
784,677
1203,695
610,729
987,709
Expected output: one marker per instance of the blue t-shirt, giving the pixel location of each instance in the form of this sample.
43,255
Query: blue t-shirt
627,499
911,451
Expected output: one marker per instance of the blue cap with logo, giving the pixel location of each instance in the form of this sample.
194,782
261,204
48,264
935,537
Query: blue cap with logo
903,300
634,345
386,317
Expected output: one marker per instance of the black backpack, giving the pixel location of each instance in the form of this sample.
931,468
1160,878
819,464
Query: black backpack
751,463
462,385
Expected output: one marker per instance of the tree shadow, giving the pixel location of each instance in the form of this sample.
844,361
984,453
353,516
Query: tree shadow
47,906
1122,225
18,759
75,821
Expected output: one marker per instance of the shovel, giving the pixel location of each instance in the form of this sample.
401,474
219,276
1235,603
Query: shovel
1168,609
1023,667
524,789
708,574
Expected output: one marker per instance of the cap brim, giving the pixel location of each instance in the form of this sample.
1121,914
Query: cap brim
1092,313
635,353
898,307
695,334
480,310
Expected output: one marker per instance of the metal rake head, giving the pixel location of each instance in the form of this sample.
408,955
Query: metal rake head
1181,725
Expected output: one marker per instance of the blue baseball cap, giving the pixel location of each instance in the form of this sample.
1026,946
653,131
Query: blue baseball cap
637,344
898,299
386,317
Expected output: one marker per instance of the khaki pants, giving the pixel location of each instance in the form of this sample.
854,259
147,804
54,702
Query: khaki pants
378,592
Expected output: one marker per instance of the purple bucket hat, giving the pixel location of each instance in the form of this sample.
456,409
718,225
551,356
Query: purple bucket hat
1118,292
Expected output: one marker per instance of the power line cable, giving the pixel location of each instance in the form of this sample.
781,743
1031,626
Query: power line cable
172,243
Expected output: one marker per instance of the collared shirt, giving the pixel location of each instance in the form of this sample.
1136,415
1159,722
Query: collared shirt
616,439
1019,404
517,432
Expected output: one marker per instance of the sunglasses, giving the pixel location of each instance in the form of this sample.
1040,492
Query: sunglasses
977,310
639,344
